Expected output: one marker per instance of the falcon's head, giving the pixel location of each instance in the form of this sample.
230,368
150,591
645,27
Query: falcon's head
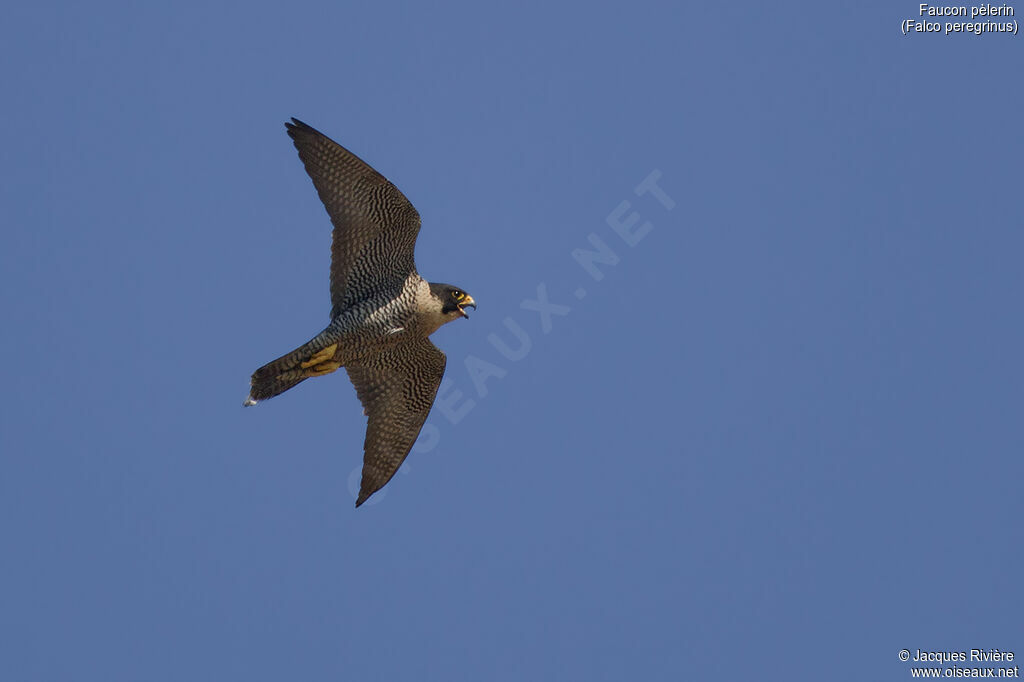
454,301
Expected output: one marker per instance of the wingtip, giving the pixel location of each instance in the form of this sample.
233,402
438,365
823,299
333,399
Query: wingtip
295,124
364,495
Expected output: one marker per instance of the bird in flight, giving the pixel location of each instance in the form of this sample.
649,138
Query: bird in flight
382,311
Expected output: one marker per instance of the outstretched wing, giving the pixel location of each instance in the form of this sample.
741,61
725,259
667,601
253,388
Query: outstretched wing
397,389
375,226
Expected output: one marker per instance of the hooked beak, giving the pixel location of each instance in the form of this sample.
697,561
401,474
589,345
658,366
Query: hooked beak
466,303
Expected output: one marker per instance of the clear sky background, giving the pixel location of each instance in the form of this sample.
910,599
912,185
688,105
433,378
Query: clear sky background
780,439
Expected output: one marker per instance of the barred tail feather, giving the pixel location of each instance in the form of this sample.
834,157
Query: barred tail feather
313,359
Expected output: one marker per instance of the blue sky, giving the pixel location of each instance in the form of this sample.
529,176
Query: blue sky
780,438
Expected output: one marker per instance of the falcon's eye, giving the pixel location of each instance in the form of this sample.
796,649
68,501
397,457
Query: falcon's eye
457,295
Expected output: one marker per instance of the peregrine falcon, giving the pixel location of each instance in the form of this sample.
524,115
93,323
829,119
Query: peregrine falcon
382,311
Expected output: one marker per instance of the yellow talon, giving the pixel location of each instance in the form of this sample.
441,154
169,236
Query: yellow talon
324,368
321,356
